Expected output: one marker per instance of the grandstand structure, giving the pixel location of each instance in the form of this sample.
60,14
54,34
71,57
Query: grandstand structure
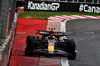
82,1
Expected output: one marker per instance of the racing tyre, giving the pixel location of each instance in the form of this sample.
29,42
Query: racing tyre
30,45
71,49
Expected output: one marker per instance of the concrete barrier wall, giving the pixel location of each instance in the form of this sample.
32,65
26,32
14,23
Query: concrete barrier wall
5,49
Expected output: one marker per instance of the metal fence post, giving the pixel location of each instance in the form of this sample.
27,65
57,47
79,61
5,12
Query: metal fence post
7,23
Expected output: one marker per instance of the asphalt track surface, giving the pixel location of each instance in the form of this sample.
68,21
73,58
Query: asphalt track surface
86,32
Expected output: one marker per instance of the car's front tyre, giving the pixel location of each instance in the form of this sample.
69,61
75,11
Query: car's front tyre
71,49
30,45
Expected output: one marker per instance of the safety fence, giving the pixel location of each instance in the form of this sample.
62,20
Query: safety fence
7,11
8,17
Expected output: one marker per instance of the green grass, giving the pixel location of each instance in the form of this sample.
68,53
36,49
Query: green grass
45,15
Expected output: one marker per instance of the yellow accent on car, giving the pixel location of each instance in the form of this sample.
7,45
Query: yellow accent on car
51,48
52,28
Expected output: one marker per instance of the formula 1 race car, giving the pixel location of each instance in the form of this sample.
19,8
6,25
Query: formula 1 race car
51,43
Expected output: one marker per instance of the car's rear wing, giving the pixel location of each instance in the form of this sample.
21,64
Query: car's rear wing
47,33
42,32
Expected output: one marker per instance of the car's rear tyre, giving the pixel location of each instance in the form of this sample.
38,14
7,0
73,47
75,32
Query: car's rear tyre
30,45
71,49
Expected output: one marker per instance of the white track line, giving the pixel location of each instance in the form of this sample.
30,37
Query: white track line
64,60
63,26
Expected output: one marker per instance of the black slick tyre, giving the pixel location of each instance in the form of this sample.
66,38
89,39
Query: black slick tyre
30,45
71,48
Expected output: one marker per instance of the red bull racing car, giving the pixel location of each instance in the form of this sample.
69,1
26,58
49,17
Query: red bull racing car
52,43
